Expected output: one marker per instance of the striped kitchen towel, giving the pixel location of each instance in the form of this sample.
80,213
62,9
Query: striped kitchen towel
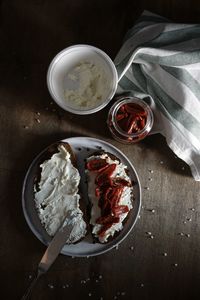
160,63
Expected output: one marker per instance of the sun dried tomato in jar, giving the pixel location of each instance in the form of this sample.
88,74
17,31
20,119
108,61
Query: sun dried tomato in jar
130,120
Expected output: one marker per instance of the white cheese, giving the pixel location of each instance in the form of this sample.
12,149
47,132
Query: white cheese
58,195
91,86
125,199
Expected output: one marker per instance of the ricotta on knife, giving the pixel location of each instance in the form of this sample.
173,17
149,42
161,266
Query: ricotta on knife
57,195
110,192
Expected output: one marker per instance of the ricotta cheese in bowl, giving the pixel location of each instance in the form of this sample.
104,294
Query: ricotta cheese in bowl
82,79
92,86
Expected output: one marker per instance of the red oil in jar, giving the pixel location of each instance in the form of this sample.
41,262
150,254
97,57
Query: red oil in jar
130,120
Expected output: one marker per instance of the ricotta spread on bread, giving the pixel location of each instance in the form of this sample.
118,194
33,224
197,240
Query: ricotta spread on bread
106,223
57,195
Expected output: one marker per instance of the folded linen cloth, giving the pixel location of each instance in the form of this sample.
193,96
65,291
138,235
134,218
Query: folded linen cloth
160,63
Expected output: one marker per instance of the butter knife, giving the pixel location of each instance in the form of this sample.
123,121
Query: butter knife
51,253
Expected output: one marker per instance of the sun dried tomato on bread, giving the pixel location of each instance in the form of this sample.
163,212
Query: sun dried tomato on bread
110,192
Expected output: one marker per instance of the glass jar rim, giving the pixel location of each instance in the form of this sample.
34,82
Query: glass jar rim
114,109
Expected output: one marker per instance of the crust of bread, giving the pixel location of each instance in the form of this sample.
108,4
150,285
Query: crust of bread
113,157
99,153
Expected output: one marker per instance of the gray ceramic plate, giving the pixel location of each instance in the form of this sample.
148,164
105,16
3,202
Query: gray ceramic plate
83,147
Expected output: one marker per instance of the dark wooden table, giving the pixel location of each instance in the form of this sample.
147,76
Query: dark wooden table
166,266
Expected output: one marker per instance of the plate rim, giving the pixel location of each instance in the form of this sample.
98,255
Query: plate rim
96,252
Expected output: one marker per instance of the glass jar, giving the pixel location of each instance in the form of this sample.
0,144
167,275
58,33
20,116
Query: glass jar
130,120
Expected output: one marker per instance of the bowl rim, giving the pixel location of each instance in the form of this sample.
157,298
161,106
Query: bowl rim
110,94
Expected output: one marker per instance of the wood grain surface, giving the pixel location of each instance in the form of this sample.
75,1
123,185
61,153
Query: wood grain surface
164,267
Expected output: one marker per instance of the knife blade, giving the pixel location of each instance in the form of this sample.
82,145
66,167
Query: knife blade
54,248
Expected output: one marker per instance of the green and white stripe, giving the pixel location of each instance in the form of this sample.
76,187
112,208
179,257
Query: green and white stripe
160,63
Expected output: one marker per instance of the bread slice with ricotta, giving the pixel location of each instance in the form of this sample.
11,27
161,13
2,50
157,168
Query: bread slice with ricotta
110,192
57,196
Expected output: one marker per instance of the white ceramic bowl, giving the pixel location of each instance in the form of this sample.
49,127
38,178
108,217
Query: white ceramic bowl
83,147
64,62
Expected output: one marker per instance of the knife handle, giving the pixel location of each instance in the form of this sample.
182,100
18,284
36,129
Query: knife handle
31,286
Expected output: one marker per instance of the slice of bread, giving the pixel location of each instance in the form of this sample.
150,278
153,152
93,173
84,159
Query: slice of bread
57,195
110,192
